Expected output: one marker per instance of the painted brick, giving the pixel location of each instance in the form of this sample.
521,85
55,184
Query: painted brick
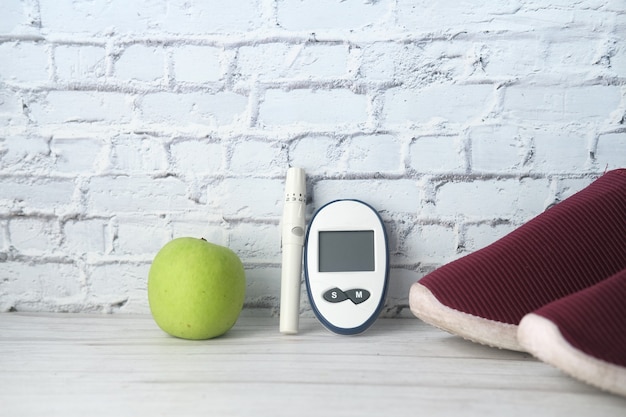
437,154
152,66
420,14
390,196
373,154
566,187
33,236
24,153
329,14
119,285
12,16
492,199
478,236
560,104
400,280
317,155
500,148
430,244
80,62
265,61
247,197
211,16
615,55
501,16
11,109
197,64
315,61
49,195
453,103
255,242
563,151
322,107
568,58
86,236
581,18
30,287
193,157
263,289
415,65
277,60
134,154
360,153
176,16
76,155
253,156
123,194
611,150
196,225
379,60
23,62
512,58
99,16
82,107
202,108
593,102
143,235
4,239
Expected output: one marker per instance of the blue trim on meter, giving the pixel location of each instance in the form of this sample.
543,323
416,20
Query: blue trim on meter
381,304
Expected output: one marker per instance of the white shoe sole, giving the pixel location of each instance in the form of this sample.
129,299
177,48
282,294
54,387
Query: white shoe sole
542,338
425,306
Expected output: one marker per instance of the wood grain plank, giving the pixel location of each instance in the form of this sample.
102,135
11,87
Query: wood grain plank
66,364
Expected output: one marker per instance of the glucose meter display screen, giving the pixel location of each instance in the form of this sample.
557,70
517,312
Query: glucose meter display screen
345,251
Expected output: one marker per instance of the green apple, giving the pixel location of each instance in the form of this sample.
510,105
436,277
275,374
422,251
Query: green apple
196,289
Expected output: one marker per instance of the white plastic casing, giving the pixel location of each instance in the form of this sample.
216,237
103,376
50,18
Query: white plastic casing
292,240
347,316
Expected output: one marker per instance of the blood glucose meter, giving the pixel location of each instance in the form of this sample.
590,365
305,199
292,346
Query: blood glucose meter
346,262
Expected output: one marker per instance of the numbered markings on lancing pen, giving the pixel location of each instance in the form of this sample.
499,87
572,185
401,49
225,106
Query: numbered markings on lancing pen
356,295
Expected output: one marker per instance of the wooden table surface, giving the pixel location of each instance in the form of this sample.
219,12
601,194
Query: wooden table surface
123,365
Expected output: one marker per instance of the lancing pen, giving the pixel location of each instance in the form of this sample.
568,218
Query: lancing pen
292,235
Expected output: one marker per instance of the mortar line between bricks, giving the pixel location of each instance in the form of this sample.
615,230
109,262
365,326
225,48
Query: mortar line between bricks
265,36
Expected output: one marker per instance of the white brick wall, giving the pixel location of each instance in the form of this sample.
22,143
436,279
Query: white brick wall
125,124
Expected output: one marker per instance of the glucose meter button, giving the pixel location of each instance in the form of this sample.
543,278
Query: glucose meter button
298,231
335,295
357,295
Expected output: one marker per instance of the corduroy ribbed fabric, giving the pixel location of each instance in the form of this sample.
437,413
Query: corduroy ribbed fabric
571,246
583,334
594,320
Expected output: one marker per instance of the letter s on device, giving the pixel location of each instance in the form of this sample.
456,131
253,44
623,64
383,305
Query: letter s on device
346,260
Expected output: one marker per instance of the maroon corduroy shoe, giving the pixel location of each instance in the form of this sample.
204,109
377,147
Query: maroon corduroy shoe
572,246
583,334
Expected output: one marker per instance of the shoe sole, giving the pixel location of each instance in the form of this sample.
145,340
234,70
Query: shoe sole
542,338
487,332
